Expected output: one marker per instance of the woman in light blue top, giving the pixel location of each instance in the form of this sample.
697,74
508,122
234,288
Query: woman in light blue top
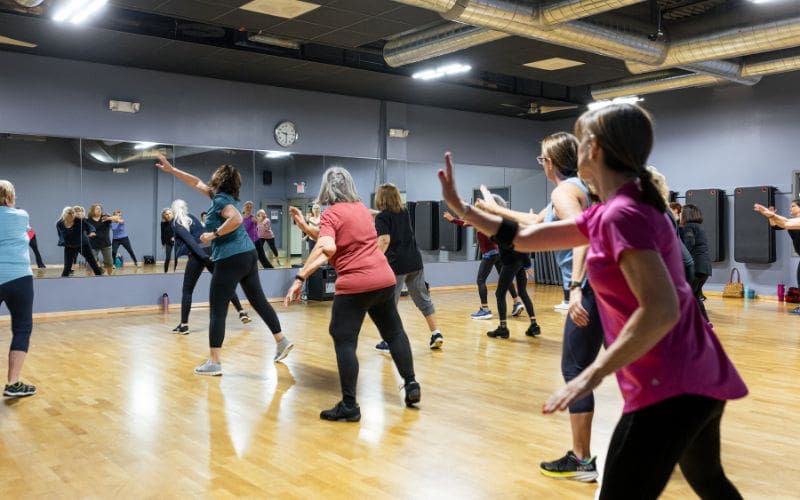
16,286
235,260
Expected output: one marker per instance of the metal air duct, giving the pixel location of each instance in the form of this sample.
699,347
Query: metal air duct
652,83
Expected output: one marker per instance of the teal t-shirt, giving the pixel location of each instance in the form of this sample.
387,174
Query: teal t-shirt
232,243
15,262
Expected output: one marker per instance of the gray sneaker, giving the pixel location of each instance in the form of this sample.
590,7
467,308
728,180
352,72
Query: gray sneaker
282,349
209,368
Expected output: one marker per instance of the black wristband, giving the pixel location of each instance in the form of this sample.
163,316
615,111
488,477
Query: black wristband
298,277
575,284
506,234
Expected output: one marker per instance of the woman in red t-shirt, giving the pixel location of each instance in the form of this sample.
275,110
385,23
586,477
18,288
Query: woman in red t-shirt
364,285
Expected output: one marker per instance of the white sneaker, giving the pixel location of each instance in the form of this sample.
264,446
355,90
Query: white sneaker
209,368
282,349
564,306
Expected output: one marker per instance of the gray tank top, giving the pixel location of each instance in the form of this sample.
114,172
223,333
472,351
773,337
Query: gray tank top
564,257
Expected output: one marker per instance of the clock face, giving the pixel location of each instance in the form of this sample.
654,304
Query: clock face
286,134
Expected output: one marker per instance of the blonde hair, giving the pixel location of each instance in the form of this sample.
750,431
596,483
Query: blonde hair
388,198
78,208
261,214
180,210
7,193
660,182
67,211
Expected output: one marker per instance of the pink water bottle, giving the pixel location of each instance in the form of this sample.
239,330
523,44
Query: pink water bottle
781,290
165,302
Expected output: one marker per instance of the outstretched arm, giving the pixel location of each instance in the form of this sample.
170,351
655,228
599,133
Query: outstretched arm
310,231
190,180
775,219
488,204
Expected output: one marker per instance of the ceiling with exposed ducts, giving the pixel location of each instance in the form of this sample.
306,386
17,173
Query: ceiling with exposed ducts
533,59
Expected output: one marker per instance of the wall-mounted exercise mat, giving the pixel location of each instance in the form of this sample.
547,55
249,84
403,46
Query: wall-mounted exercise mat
411,206
450,235
711,203
753,237
426,227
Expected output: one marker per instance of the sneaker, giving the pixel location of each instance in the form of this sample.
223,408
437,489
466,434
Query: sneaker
483,313
19,390
412,393
209,368
244,318
533,330
571,467
382,346
436,341
796,310
517,309
341,413
564,306
181,329
500,331
282,349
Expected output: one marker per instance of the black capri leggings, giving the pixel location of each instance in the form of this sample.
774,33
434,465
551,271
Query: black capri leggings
18,296
507,274
647,444
194,268
126,243
168,250
241,269
580,348
71,254
484,269
347,317
35,247
262,256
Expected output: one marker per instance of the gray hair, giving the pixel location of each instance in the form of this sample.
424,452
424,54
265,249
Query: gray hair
660,182
337,186
180,210
499,200
7,193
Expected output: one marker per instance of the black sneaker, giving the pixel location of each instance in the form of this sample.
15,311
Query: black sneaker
533,330
413,393
341,413
436,341
571,467
181,329
19,390
501,332
382,346
244,318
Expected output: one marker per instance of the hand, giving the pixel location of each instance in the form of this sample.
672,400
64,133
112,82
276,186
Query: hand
449,189
576,312
296,214
293,295
92,235
481,203
530,273
448,216
766,212
573,391
164,165
488,199
207,237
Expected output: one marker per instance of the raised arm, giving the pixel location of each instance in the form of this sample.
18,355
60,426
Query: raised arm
775,219
190,180
310,231
488,204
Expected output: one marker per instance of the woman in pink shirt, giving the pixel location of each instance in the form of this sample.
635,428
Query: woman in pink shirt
265,235
672,371
364,285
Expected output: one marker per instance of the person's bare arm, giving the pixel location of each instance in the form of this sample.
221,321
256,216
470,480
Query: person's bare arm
190,180
233,219
775,219
383,242
488,204
310,231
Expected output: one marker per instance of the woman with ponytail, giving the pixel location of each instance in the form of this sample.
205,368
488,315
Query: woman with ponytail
674,375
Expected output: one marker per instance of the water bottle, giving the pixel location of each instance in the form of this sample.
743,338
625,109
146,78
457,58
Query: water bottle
117,263
781,291
165,302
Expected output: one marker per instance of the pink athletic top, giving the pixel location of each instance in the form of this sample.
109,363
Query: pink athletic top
360,265
265,229
689,359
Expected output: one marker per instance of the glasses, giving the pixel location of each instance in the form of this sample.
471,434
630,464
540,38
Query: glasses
541,159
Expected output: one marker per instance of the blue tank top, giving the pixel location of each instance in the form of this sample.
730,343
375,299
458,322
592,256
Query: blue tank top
564,257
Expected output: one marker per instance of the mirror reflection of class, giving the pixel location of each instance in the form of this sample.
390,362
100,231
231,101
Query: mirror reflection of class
100,207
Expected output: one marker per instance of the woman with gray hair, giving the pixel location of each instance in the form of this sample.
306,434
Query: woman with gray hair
16,286
364,285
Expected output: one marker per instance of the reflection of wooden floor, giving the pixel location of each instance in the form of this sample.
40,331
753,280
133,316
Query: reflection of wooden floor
54,270
120,414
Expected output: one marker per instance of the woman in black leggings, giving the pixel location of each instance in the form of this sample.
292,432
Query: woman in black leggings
234,257
188,229
73,231
167,236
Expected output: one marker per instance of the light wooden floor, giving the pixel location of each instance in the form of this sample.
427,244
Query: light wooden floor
120,414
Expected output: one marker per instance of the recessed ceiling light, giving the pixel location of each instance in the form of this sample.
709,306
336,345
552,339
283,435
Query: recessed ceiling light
19,43
288,9
553,64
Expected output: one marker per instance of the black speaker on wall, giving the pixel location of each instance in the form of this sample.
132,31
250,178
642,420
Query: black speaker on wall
450,235
426,227
753,237
711,203
267,177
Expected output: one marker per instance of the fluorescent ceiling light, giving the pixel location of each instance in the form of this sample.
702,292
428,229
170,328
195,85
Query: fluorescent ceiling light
553,64
617,100
77,11
450,69
145,145
276,154
288,9
275,41
19,43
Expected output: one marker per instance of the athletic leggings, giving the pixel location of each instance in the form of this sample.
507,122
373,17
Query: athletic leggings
697,289
241,269
262,256
71,254
507,274
580,348
18,296
35,248
126,243
168,250
484,269
194,268
347,316
647,444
